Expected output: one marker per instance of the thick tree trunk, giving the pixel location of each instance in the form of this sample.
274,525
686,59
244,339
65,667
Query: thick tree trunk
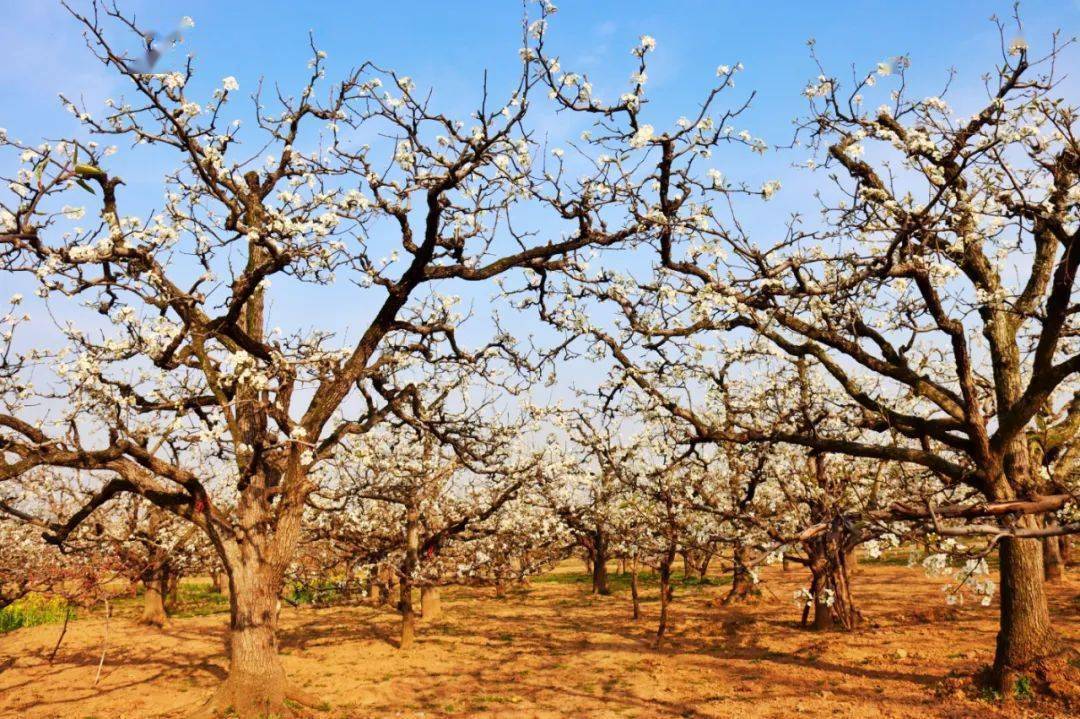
743,587
851,561
430,603
1024,636
830,588
154,601
256,685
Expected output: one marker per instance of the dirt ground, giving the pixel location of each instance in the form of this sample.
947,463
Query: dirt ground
551,650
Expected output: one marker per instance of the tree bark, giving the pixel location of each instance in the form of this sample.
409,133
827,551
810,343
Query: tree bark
1024,636
405,604
1053,565
430,603
154,601
743,587
665,596
256,684
172,585
599,565
830,586
634,596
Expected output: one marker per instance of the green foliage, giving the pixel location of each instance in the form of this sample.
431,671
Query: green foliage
326,592
33,610
1023,688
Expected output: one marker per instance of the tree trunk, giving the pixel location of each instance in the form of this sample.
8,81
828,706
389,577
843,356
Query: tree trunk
600,573
634,588
154,601
1066,551
703,567
824,618
851,561
1053,566
830,588
665,596
256,685
743,587
408,615
430,603
405,604
500,588
172,585
217,580
1024,636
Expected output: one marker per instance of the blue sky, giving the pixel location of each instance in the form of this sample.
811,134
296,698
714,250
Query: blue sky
448,46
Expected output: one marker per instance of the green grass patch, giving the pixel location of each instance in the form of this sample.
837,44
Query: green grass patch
33,610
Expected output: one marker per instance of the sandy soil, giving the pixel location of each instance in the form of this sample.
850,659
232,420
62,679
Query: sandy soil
550,650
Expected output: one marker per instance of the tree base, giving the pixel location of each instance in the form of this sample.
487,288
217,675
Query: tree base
235,699
741,595
1055,675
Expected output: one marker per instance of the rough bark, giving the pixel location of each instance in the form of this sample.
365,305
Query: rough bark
830,586
1025,636
256,685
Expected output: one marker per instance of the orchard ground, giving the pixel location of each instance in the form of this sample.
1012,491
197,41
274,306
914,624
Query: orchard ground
549,649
